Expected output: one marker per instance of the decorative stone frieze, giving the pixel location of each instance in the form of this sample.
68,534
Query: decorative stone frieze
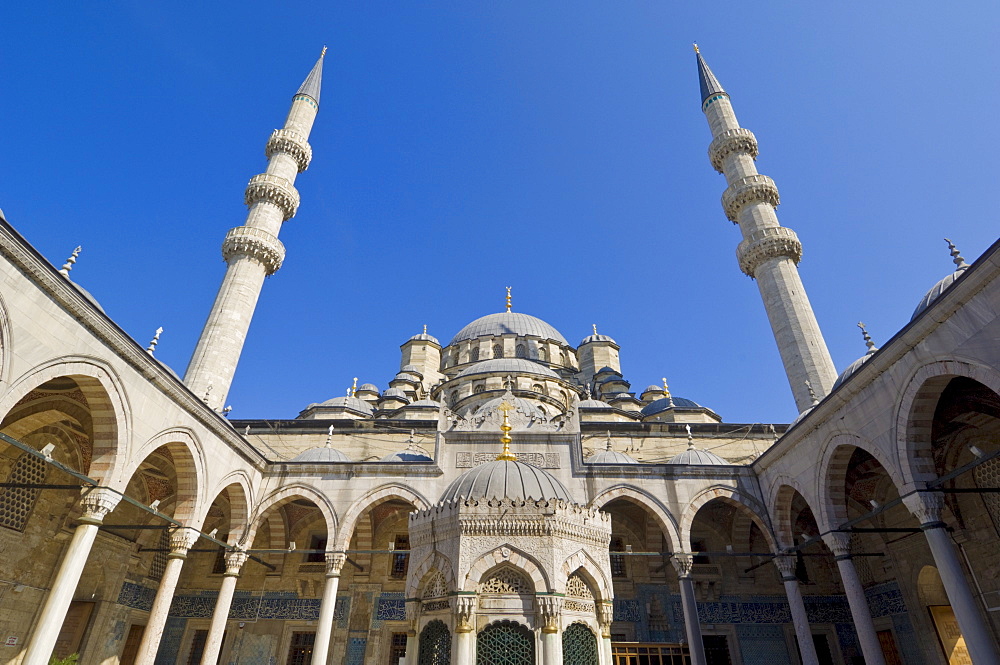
730,141
292,144
764,244
256,244
751,189
97,503
275,190
467,460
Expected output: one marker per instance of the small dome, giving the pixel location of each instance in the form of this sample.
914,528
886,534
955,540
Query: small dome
507,323
622,396
426,403
653,389
349,403
507,366
424,337
395,393
321,454
369,387
851,369
408,455
803,414
607,369
590,339
593,404
936,291
90,298
663,404
610,457
411,369
694,456
506,480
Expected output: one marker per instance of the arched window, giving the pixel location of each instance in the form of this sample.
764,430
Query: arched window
565,359
543,353
435,644
505,642
453,399
579,645
498,351
506,580
538,388
478,388
16,503
474,354
520,351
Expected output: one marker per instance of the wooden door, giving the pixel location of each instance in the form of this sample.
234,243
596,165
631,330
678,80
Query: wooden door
131,648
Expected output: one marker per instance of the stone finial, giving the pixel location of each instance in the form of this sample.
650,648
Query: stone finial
956,256
812,393
425,328
690,437
354,388
64,271
208,394
594,326
868,339
323,52
666,392
153,342
246,432
508,298
508,383
608,445
329,437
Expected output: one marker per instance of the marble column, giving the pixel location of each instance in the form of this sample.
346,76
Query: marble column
605,615
181,540
464,648
217,629
807,649
324,626
96,503
683,563
840,544
550,616
926,507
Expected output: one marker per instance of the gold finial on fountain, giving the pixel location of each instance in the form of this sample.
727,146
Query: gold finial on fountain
505,454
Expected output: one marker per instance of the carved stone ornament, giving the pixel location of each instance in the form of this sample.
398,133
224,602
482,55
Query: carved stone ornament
925,506
765,244
549,610
292,144
273,189
465,608
234,562
468,459
682,564
335,563
786,567
730,141
751,189
605,615
839,543
181,540
256,244
97,503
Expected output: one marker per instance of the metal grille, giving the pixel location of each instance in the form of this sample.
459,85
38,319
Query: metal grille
505,643
397,651
16,502
159,562
436,587
435,644
579,646
987,474
575,586
506,580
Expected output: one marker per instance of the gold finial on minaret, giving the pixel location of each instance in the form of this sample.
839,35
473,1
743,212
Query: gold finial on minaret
508,298
594,325
695,45
354,388
425,328
505,454
323,52
666,390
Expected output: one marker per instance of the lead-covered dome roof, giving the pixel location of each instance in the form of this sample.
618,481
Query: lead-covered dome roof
502,479
321,454
350,403
509,366
664,404
694,456
508,323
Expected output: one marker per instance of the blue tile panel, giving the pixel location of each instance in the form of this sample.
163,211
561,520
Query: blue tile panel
763,645
170,643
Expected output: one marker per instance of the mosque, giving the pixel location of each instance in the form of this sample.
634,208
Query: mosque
507,498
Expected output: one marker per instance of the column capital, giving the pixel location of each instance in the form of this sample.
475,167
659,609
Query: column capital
335,563
234,562
550,611
839,543
785,563
465,609
181,540
605,615
97,503
683,564
926,507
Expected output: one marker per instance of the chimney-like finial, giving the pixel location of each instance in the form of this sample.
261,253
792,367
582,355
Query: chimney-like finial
425,328
505,454
508,298
956,256
354,388
690,437
812,393
153,342
64,271
608,444
329,437
868,339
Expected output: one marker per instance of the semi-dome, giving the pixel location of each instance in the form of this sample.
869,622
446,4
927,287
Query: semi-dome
349,403
508,366
411,369
508,323
664,403
503,479
694,456
321,454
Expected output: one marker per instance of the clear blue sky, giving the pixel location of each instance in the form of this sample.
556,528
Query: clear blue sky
556,147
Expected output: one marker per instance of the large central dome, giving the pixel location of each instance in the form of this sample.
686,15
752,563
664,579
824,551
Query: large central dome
508,323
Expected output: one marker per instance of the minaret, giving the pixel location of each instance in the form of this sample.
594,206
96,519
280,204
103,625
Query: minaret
769,252
253,251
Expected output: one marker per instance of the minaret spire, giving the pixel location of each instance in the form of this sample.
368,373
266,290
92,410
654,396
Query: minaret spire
769,252
253,251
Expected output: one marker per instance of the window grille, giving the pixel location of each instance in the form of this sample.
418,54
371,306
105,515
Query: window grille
506,580
987,474
479,388
579,646
575,586
301,649
520,351
16,503
401,560
435,587
505,643
474,354
538,388
617,560
397,650
497,351
435,644
159,562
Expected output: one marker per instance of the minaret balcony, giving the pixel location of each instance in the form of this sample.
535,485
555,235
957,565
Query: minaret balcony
257,244
769,243
751,189
291,143
275,190
729,142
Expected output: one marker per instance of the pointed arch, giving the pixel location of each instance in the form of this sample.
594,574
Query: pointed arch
283,495
111,414
428,565
832,475
507,555
582,562
648,502
780,494
189,465
744,503
370,500
237,485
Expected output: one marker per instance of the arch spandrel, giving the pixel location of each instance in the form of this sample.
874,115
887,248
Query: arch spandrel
832,474
664,518
188,458
582,562
734,497
507,555
779,496
289,493
423,569
368,501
